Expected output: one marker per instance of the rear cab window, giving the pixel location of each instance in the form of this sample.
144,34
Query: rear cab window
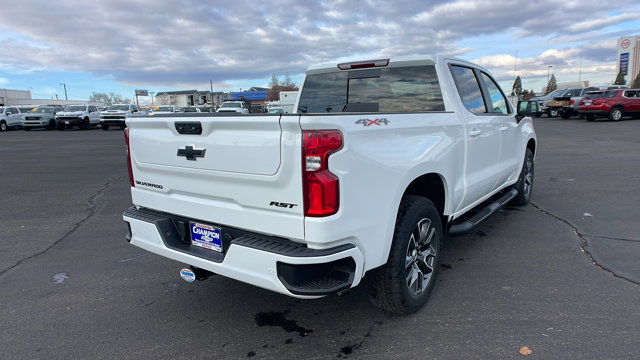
397,89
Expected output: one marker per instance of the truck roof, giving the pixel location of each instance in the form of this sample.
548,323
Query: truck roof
392,62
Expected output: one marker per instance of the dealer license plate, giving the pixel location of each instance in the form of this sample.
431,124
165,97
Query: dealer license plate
587,102
206,236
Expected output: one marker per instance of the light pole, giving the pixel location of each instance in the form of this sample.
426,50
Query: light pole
152,103
548,68
65,91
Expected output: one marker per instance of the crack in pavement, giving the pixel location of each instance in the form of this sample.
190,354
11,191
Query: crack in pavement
611,238
90,212
584,242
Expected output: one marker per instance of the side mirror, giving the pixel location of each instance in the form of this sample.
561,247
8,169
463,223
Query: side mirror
527,108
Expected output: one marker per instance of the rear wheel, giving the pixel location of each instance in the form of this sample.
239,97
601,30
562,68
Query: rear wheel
552,113
615,114
404,284
566,114
525,180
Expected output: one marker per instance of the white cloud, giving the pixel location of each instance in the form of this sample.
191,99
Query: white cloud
182,43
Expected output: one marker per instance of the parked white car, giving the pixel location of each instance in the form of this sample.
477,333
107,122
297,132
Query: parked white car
116,114
164,109
40,117
234,106
10,118
83,116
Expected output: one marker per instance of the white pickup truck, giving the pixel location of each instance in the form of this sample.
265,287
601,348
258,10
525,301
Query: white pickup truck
116,114
384,159
234,107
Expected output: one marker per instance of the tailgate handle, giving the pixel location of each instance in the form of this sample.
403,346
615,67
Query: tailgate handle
189,127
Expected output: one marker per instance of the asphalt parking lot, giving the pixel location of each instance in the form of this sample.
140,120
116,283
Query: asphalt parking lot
559,275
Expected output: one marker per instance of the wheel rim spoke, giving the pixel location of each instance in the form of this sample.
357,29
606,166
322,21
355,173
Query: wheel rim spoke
420,257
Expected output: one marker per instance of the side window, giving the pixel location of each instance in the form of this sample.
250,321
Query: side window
498,101
15,111
469,89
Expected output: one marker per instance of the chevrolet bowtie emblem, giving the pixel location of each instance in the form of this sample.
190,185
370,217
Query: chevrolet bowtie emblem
190,153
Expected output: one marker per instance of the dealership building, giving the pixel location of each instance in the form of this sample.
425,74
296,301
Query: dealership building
629,57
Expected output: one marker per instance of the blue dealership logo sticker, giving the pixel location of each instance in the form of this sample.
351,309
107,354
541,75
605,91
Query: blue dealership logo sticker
187,275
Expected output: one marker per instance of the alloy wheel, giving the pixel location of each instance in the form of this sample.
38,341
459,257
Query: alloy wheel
420,257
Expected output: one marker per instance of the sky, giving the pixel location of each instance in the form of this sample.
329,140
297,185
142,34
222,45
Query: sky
122,45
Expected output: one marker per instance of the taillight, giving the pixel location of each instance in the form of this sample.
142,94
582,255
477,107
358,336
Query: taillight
572,102
126,142
320,186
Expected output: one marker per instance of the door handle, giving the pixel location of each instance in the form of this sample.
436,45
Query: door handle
474,133
504,128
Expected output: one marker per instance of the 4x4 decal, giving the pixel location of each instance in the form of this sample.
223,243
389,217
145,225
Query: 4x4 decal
369,122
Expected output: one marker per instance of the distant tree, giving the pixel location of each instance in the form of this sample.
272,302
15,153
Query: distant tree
619,79
111,98
525,92
552,85
636,82
517,86
532,92
102,97
276,86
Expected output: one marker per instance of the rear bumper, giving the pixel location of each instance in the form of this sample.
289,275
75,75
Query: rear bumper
271,263
598,113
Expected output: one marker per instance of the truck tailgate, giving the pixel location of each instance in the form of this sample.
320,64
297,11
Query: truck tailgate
229,170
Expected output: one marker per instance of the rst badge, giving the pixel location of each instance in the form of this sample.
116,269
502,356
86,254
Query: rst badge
191,153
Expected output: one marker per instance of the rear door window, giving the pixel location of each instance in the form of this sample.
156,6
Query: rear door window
469,89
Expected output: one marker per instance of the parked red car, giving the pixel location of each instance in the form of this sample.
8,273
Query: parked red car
613,104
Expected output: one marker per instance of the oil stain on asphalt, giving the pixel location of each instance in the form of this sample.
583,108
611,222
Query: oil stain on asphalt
278,319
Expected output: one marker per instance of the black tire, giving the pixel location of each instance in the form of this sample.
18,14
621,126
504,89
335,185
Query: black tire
3,126
105,127
566,114
405,282
552,113
591,117
525,180
85,124
615,114
52,125
60,126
